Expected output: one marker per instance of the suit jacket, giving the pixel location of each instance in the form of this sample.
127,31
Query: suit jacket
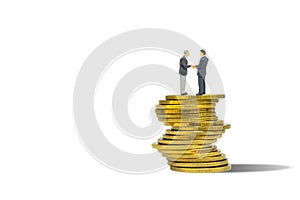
183,65
202,66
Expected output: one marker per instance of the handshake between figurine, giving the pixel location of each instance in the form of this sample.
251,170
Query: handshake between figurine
201,67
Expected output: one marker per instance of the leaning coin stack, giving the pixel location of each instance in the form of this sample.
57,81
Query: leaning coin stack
189,144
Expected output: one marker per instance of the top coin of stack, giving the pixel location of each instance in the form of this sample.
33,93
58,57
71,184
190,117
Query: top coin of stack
195,127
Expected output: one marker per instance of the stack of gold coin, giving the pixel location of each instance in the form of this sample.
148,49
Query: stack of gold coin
189,145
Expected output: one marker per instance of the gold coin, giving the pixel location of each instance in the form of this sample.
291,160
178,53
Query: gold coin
181,152
202,170
177,147
174,157
201,126
175,142
189,111
189,119
204,133
210,118
193,121
198,153
191,137
197,128
197,160
187,124
182,112
205,96
227,126
188,151
195,153
185,107
184,102
186,116
185,155
200,164
196,124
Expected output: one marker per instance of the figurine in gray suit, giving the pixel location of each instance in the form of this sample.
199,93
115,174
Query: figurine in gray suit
183,65
201,67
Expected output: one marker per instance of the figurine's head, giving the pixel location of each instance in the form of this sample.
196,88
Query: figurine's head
202,52
186,53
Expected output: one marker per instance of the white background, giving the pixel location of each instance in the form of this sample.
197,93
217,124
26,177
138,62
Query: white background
254,44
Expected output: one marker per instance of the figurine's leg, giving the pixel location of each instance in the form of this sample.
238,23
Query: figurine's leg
204,86
182,84
201,85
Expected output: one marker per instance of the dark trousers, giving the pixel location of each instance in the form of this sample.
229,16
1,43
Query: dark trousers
201,84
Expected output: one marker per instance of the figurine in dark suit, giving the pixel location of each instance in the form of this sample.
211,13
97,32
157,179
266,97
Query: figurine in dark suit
201,67
183,65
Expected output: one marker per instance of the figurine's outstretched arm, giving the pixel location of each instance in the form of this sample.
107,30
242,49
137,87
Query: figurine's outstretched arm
202,64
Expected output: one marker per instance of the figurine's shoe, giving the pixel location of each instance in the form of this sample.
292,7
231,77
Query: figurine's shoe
198,94
185,93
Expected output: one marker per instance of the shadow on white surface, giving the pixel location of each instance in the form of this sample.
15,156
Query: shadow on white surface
256,167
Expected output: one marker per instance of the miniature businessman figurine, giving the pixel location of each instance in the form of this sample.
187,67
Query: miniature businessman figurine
201,72
183,65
